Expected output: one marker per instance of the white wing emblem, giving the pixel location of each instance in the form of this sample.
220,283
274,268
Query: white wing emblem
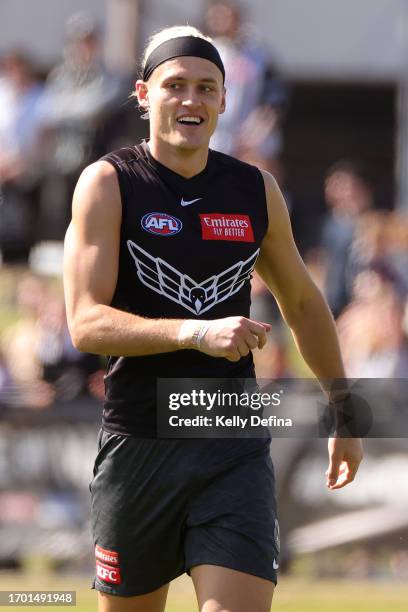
160,276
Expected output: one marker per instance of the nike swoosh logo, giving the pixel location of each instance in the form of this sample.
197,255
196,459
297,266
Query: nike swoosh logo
275,565
188,202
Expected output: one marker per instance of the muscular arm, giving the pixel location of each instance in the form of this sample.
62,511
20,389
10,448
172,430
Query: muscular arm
300,301
306,312
91,259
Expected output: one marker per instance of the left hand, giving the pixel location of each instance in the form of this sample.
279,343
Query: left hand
345,455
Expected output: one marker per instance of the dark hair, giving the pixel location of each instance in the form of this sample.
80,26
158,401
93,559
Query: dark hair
353,167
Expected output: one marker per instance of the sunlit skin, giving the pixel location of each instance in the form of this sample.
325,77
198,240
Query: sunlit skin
182,86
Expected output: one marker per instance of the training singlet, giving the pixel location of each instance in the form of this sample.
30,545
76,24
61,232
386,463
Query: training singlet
187,251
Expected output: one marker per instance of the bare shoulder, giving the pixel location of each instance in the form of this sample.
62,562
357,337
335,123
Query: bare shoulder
269,180
100,174
277,209
92,241
97,195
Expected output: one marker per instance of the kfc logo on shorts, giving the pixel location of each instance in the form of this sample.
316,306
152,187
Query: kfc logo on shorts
108,556
161,224
107,573
218,226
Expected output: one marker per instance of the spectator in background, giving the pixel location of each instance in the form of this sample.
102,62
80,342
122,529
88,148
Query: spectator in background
19,341
21,120
371,330
70,372
80,94
37,352
348,192
380,242
256,94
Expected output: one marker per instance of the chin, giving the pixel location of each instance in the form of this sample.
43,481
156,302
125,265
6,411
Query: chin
190,144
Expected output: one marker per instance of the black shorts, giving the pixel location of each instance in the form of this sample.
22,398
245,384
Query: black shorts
160,507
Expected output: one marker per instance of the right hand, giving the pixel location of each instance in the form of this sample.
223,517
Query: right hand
234,337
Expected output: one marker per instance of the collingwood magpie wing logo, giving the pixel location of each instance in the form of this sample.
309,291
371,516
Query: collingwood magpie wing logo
163,278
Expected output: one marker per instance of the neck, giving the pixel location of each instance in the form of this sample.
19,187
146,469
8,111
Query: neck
187,162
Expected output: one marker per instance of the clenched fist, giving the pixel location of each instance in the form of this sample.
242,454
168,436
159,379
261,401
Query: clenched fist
231,338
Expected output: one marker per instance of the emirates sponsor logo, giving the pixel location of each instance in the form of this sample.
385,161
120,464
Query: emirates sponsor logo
108,556
218,226
107,573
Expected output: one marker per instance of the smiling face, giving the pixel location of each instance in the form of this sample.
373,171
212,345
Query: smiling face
184,96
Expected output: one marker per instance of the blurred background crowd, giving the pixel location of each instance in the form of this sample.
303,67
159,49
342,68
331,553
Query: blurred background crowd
335,146
57,119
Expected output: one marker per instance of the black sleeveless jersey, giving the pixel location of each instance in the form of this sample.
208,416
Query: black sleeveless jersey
187,251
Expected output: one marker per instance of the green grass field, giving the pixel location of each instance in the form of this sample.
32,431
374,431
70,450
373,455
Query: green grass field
292,595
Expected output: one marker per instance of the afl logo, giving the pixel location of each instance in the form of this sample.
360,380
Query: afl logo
161,224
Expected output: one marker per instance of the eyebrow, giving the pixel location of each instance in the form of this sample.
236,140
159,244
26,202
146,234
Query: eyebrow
181,78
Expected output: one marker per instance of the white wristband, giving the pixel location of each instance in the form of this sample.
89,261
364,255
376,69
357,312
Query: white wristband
191,333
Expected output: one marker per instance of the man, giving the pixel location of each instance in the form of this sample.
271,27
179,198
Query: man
163,240
349,193
257,96
21,123
80,94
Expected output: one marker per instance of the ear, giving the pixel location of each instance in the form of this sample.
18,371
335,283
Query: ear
223,101
142,93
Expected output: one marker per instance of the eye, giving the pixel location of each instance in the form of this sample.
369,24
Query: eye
174,85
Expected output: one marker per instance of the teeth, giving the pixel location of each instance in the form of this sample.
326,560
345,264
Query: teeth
189,120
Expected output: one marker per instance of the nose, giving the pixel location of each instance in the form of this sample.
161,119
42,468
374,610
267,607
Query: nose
191,97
